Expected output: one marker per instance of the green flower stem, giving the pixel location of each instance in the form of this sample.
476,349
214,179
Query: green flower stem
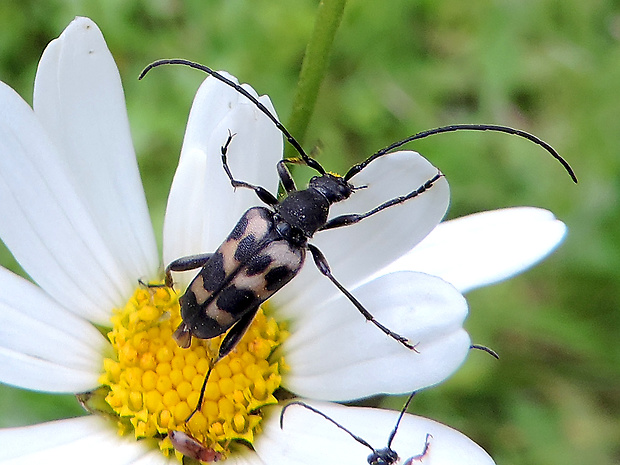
329,16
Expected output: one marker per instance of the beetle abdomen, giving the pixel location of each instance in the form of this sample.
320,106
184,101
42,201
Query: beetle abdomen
248,268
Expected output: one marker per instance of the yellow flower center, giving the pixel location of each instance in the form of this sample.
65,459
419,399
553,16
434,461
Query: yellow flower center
153,384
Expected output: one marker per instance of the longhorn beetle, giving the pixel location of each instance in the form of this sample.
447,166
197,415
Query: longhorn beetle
267,247
385,456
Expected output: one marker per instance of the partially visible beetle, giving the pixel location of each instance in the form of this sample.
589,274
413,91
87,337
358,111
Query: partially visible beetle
267,247
191,448
385,456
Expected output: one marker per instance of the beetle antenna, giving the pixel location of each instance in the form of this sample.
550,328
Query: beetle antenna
309,407
464,127
311,162
400,417
486,349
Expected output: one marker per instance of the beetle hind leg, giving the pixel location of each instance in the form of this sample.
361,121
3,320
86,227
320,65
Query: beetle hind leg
229,343
202,391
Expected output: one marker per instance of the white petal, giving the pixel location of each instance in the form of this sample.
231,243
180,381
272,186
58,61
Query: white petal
203,207
42,345
244,456
356,252
79,99
332,350
308,438
484,248
46,225
75,441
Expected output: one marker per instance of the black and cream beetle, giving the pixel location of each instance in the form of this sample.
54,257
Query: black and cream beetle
385,456
267,247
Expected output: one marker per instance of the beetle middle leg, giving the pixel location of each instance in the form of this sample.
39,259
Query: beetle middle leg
191,262
323,266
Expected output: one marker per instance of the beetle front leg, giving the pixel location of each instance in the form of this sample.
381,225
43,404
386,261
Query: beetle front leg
347,220
263,194
285,175
424,453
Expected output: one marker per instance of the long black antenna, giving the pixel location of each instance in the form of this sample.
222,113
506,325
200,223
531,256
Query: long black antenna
486,349
463,127
309,407
400,417
354,436
355,169
311,162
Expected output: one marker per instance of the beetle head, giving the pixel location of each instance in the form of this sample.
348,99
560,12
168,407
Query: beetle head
333,187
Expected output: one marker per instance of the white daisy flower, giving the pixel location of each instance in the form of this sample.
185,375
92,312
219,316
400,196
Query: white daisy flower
75,218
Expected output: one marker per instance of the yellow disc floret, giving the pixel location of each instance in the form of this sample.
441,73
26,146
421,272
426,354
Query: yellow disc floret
154,384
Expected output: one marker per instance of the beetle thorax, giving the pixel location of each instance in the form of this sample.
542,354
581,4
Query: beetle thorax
305,211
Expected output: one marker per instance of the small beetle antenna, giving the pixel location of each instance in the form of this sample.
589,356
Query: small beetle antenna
309,407
311,162
354,436
400,417
355,169
486,349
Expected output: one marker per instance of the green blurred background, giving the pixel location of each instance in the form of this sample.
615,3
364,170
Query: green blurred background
548,66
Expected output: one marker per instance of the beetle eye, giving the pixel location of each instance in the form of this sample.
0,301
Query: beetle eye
283,228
